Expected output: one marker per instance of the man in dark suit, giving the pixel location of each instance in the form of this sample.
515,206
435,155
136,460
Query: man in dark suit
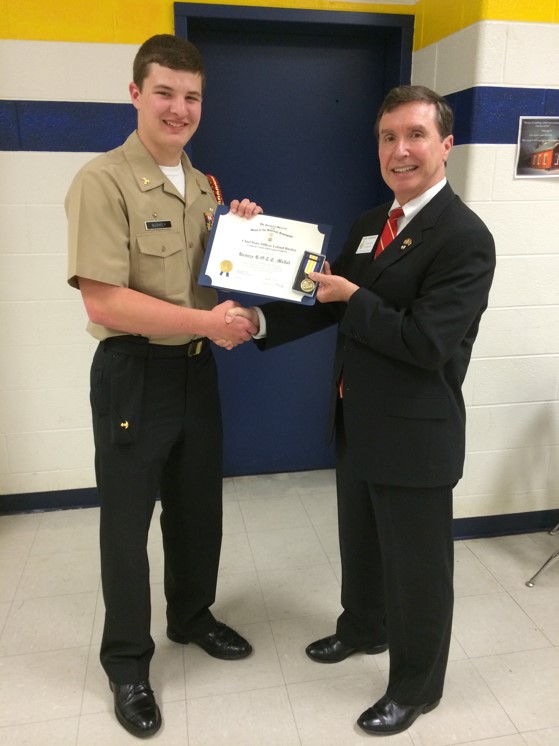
408,308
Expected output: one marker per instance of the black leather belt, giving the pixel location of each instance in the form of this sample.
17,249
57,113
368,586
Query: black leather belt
141,347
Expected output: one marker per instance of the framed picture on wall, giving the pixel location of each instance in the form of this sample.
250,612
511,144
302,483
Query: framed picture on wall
537,153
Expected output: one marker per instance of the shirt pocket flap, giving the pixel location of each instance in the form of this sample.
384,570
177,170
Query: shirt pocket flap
162,244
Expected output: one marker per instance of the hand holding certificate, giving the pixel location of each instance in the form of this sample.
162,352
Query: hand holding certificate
265,256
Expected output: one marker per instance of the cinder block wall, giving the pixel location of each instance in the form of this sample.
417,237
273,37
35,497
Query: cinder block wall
500,57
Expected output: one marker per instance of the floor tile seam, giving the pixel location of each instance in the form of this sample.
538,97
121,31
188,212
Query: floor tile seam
538,628
18,584
278,531
505,560
286,527
89,667
313,523
38,525
285,618
279,495
512,651
41,650
495,697
252,557
475,660
295,722
522,733
274,638
489,740
259,532
486,567
289,569
282,497
243,690
41,653
69,552
504,593
3,626
499,591
370,676
40,722
532,620
244,522
57,595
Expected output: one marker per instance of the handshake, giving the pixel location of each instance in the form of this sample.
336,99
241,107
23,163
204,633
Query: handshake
232,324
235,324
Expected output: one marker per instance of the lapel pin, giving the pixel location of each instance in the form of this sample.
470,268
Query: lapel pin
124,425
407,243
146,181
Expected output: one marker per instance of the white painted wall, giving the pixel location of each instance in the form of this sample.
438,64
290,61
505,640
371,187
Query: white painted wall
512,386
513,383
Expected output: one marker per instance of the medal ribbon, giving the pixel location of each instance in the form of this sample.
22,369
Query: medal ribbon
311,264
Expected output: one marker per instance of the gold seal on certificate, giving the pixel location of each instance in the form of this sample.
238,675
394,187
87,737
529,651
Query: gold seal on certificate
225,266
307,286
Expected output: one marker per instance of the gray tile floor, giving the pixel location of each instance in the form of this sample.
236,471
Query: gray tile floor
279,586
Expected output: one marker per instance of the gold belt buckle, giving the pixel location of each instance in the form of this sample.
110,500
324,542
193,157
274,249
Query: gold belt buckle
195,347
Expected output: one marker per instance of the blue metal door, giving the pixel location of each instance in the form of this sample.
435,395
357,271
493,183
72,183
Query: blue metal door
288,116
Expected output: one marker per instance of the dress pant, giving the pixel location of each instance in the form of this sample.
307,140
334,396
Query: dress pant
157,429
397,554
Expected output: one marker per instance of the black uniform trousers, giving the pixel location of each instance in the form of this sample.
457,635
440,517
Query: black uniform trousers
397,555
157,430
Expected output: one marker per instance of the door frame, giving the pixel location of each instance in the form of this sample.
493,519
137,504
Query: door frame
398,68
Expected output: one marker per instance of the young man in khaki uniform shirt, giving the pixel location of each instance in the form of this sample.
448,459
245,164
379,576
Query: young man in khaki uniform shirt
139,219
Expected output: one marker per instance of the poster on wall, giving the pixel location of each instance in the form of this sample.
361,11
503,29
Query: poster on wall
537,152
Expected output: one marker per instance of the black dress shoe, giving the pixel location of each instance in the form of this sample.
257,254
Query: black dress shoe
136,709
220,641
386,717
332,650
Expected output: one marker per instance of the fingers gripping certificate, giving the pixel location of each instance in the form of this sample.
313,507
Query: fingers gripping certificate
265,256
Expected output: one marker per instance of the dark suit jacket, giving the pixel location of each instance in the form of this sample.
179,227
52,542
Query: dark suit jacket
405,340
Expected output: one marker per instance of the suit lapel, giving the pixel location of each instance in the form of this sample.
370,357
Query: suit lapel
409,239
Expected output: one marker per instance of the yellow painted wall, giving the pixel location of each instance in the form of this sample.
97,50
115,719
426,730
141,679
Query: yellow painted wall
436,19
129,21
132,21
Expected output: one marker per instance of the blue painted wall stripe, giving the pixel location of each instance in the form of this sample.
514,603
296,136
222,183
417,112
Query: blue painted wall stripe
484,115
57,126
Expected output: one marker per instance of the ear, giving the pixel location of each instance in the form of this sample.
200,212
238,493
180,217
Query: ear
134,94
448,142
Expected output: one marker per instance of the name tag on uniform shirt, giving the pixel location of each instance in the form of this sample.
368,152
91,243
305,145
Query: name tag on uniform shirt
152,225
366,245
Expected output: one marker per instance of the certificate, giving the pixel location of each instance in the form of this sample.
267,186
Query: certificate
265,256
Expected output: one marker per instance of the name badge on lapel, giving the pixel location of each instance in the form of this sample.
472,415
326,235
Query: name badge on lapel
155,225
366,245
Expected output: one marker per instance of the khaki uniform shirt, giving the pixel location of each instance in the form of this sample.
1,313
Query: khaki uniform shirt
128,226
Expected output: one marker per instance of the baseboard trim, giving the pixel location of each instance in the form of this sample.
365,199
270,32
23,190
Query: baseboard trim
480,527
476,527
40,502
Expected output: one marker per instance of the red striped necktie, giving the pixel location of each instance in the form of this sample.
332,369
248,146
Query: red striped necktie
389,231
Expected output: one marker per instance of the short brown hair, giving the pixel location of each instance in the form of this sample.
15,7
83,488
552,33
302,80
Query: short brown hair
168,51
405,94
